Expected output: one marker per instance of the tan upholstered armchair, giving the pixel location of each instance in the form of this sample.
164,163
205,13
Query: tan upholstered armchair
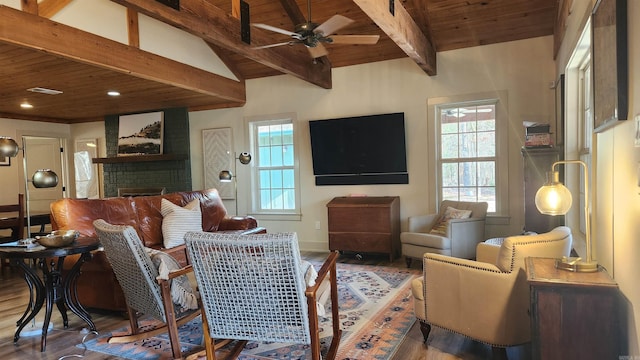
486,300
455,235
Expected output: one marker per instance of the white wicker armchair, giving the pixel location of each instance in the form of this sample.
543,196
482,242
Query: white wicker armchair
144,292
253,287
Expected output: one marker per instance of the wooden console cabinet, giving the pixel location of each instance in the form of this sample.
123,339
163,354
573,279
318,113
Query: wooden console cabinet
573,315
365,225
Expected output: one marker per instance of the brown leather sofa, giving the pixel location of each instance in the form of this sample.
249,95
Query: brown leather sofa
97,286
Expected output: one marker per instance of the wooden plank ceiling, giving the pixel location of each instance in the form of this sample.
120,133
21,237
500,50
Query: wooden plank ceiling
37,52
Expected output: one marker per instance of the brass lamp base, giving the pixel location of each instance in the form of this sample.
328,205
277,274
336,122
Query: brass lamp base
576,264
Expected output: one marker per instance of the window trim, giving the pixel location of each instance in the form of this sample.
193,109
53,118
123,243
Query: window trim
252,123
499,98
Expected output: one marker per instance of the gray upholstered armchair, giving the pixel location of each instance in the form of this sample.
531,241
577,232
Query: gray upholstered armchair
448,233
486,300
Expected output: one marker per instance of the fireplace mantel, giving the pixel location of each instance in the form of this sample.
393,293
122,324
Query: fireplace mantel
138,158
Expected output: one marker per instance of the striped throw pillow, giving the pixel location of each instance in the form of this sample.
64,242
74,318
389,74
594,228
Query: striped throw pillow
176,221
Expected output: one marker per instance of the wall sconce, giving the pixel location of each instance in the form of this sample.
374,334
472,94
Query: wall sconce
553,198
42,178
227,176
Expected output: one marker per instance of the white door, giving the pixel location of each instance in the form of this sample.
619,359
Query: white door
42,153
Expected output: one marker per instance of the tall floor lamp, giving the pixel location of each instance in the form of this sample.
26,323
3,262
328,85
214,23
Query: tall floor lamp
553,198
226,176
42,178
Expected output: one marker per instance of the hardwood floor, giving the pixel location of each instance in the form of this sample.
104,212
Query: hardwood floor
14,295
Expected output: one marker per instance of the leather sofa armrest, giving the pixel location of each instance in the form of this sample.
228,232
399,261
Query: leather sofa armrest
237,223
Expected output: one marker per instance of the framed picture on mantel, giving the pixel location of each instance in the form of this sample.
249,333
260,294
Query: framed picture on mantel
140,134
609,63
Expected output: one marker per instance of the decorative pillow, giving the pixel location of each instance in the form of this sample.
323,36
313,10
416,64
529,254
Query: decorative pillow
440,228
176,221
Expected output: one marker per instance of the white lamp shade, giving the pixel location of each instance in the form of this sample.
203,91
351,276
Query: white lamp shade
553,199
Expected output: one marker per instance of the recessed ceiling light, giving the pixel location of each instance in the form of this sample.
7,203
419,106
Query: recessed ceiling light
26,105
113,93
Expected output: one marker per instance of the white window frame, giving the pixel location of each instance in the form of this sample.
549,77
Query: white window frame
579,132
252,124
499,98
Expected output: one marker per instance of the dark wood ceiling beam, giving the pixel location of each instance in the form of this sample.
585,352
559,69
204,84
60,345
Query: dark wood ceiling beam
215,26
38,33
223,55
403,30
293,10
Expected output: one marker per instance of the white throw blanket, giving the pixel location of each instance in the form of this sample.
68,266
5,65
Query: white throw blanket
182,293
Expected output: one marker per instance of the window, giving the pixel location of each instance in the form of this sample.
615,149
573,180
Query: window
467,156
274,172
579,130
585,120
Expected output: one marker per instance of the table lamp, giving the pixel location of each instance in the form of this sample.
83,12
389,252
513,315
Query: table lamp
553,198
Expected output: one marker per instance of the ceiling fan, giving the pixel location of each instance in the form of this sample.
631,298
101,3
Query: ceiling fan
313,35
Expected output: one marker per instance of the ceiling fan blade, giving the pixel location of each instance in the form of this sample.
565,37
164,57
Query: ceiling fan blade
273,45
318,51
335,23
276,29
355,39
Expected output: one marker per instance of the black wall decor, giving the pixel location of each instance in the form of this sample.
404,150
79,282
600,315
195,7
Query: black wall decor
245,29
171,3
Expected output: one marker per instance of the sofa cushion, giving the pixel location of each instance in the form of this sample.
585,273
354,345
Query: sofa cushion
178,220
440,228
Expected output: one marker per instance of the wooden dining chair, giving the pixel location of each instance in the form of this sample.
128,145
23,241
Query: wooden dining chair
12,217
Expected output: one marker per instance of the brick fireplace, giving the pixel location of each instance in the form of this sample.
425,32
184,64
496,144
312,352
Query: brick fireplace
172,174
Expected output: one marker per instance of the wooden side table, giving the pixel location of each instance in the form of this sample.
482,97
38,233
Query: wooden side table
573,315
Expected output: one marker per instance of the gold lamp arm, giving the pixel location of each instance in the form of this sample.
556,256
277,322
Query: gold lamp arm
577,265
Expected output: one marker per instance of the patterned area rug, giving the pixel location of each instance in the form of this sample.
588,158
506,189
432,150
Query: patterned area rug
376,312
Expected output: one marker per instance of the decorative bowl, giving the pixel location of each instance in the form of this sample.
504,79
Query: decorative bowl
58,238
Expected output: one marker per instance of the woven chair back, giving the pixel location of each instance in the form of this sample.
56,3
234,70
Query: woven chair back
251,286
133,268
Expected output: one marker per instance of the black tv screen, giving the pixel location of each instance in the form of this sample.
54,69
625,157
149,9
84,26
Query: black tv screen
359,150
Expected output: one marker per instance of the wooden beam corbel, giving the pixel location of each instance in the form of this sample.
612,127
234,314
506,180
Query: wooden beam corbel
215,26
48,8
403,30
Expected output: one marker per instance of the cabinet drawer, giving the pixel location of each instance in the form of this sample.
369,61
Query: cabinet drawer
360,219
360,242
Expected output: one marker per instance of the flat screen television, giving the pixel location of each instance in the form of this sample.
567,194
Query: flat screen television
359,150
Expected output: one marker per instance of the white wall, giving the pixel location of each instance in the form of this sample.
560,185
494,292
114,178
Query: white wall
616,194
9,175
523,68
